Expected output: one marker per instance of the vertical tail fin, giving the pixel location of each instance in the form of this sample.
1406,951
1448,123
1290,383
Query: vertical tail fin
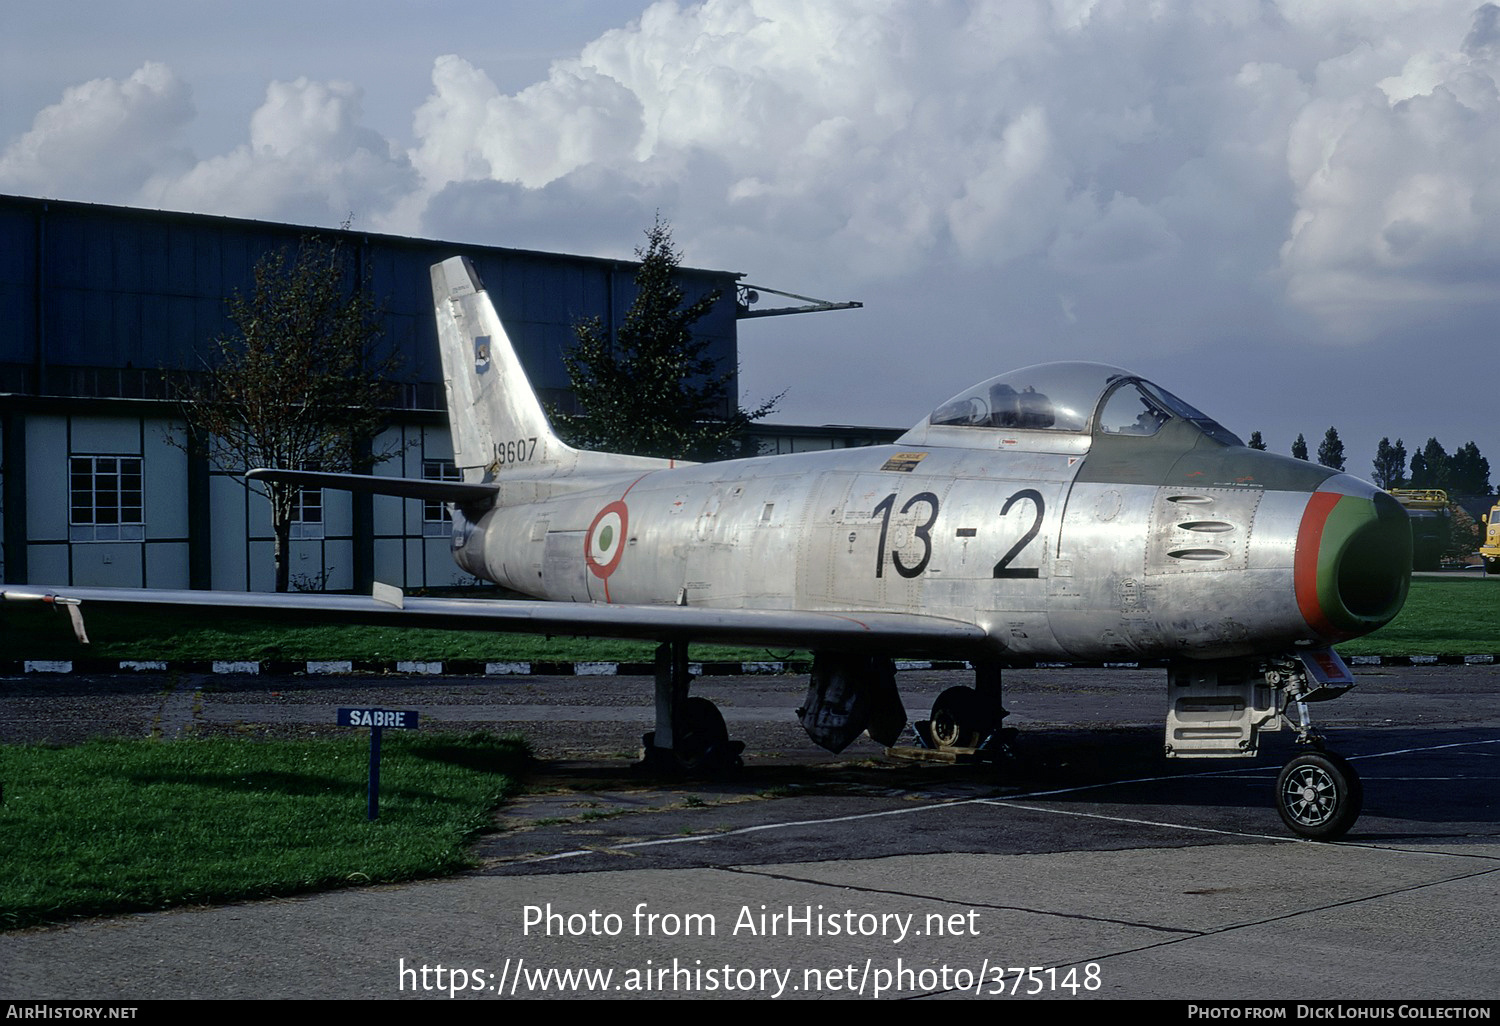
497,421
493,412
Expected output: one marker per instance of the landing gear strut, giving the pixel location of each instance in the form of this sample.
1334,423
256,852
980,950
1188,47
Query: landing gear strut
690,735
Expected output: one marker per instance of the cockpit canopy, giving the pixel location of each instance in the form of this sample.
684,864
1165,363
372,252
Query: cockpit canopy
1072,397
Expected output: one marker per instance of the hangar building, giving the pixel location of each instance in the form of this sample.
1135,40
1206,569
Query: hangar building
100,306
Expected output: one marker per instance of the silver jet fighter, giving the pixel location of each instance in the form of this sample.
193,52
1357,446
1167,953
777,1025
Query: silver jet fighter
1064,512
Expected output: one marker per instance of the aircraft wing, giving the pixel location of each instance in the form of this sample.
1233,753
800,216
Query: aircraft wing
906,633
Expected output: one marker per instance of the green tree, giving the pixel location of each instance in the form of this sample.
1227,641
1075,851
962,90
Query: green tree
1299,447
1429,468
1390,463
1468,471
301,383
1256,442
654,389
1331,450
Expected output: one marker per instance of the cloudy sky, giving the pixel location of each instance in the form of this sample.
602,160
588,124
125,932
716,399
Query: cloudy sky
1287,211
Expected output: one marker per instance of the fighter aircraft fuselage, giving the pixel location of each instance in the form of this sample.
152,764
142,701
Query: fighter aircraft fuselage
1168,544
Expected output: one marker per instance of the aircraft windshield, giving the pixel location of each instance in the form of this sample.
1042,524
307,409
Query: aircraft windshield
1064,397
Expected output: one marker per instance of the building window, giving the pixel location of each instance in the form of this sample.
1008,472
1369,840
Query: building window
307,513
436,521
106,499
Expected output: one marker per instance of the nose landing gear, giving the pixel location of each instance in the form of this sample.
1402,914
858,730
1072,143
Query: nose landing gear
1219,709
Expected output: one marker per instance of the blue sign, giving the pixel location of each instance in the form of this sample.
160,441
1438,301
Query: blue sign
399,718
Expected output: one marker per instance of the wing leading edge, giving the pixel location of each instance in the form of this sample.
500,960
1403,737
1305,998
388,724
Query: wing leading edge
906,633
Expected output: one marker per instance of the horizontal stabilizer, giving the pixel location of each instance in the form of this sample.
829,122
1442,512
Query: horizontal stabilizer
404,487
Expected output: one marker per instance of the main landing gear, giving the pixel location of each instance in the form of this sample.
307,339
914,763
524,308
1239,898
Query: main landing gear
690,735
966,723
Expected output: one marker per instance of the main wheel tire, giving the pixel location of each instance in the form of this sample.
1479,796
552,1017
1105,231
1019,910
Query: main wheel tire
1319,796
957,719
701,736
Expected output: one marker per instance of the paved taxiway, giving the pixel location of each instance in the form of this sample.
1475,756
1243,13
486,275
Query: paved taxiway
1116,872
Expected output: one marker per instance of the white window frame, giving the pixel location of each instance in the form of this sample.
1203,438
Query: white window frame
307,514
437,521
113,513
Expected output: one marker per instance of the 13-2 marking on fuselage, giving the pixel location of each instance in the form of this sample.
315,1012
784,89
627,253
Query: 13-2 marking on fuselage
923,532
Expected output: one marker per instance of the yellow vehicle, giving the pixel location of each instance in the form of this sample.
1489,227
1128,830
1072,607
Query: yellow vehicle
1431,529
1490,550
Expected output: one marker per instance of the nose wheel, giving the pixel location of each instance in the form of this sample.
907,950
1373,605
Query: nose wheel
1319,796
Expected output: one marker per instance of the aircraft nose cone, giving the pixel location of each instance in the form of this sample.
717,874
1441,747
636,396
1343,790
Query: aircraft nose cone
1353,559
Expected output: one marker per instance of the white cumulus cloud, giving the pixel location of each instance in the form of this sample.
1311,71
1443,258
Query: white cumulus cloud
308,159
103,140
1398,204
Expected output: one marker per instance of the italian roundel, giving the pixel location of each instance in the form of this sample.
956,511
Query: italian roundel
606,539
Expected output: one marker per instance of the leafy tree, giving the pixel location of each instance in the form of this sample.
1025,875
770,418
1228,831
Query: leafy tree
1256,442
654,390
1390,463
1429,468
1468,471
1418,469
300,383
1299,447
1331,450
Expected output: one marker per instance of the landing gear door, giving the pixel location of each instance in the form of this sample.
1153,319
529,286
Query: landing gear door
1218,709
1327,675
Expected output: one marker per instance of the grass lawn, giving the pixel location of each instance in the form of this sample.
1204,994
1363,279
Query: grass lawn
1443,616
115,826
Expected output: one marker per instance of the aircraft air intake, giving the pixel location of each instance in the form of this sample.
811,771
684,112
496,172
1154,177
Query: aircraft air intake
1353,562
